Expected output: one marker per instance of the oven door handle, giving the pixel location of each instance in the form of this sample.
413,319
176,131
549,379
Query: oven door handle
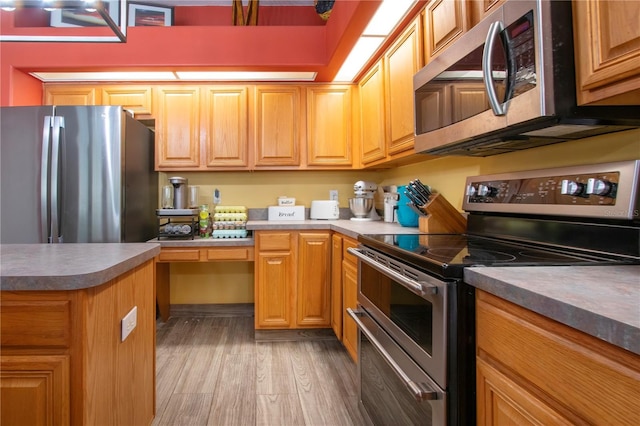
421,391
420,288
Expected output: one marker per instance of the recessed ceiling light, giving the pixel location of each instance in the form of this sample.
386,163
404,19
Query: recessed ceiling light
105,76
387,17
364,48
247,75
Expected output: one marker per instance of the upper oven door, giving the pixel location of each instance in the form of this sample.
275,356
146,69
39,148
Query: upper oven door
410,305
487,80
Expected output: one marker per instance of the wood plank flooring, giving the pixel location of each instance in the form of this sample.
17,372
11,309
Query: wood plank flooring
213,371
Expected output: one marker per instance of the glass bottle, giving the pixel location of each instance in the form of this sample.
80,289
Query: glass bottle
204,221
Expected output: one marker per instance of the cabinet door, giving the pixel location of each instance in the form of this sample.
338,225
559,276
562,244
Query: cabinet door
274,290
313,298
403,60
35,390
278,126
503,402
132,98
444,22
433,108
372,115
329,133
177,127
336,285
350,300
479,9
607,47
225,126
70,95
275,278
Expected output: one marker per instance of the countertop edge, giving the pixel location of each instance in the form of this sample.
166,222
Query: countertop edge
82,279
608,329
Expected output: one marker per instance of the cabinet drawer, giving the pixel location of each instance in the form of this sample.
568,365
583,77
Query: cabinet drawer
43,324
274,241
177,255
235,253
346,244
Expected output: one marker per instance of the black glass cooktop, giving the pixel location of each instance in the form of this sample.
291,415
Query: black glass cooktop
447,254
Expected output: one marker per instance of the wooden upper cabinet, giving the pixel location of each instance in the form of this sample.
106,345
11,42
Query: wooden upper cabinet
71,95
479,9
444,22
372,115
607,46
177,127
132,98
329,131
402,60
225,126
278,125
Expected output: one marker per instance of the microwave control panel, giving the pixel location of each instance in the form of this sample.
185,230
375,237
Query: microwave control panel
606,190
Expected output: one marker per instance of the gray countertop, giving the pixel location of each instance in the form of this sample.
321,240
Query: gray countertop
68,266
603,301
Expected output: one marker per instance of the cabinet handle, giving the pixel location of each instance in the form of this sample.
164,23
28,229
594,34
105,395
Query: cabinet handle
420,391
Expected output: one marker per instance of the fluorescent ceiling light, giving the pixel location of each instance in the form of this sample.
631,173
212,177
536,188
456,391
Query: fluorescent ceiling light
173,76
247,75
387,17
360,54
105,76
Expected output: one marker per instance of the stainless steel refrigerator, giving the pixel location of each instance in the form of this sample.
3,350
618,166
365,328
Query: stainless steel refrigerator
76,174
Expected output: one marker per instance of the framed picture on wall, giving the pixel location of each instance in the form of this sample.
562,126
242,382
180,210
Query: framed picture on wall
144,15
85,18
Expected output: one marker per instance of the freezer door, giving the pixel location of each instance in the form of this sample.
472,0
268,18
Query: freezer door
92,174
21,168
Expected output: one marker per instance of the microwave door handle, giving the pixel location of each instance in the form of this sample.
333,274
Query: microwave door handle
58,123
45,164
420,288
420,391
487,75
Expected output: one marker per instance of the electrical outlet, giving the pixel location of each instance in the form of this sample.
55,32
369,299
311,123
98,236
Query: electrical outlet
333,194
128,323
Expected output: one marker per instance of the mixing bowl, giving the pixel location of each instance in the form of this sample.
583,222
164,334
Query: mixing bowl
360,207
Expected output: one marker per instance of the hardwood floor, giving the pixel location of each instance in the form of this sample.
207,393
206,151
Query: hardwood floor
214,371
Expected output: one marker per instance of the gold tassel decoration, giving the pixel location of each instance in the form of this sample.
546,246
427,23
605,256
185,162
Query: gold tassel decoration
252,13
237,12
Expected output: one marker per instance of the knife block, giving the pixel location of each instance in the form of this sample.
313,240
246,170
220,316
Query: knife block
442,217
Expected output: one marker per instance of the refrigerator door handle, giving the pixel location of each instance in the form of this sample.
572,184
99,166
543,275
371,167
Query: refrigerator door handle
44,178
58,123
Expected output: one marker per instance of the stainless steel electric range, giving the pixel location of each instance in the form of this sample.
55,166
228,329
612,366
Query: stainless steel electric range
416,314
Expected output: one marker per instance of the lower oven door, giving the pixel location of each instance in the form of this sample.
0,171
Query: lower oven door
393,389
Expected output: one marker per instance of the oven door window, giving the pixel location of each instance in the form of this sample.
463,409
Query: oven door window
410,312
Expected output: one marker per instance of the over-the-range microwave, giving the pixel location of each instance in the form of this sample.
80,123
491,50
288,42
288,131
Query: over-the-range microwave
509,84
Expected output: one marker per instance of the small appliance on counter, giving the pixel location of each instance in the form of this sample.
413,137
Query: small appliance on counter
324,209
179,192
362,205
391,197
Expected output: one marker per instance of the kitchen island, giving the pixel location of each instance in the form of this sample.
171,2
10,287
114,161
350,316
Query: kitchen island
557,345
77,330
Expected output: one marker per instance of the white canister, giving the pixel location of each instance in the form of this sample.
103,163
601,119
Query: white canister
390,206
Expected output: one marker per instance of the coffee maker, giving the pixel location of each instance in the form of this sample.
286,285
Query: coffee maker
180,199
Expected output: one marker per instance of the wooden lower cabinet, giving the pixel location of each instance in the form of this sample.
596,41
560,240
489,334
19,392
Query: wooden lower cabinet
349,297
63,360
336,285
292,279
533,370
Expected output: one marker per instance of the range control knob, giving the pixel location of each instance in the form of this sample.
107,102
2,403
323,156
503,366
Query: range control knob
570,187
601,187
486,191
471,190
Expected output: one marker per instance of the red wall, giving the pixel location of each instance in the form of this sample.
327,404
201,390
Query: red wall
319,48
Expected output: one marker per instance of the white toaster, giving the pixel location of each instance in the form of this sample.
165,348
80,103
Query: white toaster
324,209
